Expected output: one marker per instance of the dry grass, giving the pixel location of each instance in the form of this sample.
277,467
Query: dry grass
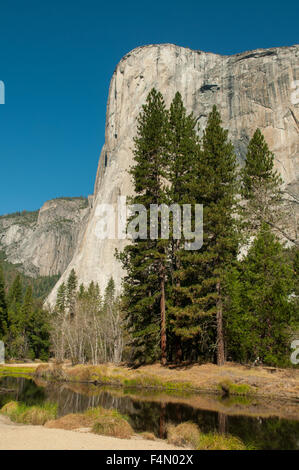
102,421
35,415
110,423
53,373
9,408
114,427
214,441
185,434
70,422
188,435
206,377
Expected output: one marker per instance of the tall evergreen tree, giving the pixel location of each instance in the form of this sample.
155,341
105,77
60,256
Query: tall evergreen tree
202,273
183,151
61,299
109,296
71,289
261,315
264,201
15,293
145,259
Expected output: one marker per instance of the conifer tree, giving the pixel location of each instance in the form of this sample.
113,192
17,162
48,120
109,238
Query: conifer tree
71,288
202,290
61,299
145,259
261,315
264,201
183,151
26,308
109,295
15,293
39,333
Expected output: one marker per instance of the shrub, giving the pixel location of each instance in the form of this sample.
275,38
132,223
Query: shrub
185,434
236,389
70,422
215,441
36,415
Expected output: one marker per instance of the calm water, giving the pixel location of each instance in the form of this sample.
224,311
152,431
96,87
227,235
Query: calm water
154,411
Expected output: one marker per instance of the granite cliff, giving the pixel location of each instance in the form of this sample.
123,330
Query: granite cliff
251,89
42,243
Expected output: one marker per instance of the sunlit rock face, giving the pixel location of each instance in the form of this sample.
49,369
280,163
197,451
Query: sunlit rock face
43,243
251,89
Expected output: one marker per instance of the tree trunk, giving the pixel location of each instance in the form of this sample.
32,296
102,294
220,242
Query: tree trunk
178,351
222,423
220,339
163,318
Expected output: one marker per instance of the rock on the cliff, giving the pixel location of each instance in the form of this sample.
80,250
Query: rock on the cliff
252,89
43,242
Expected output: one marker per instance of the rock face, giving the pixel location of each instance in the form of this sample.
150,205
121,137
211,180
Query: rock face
43,242
252,89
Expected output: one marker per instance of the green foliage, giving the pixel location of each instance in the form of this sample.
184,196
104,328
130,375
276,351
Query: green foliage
71,288
36,415
261,189
260,318
205,286
24,326
236,389
41,285
144,260
259,165
213,184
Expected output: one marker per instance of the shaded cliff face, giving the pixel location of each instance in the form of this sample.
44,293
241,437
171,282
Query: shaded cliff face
251,89
43,242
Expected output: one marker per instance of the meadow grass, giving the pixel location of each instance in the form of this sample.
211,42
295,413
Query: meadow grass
189,435
100,420
37,415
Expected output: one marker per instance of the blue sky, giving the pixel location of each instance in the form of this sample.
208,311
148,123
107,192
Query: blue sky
57,58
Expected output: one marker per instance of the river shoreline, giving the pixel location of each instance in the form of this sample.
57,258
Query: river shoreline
230,379
27,437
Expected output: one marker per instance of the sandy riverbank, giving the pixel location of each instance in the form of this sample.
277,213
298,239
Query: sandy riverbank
24,437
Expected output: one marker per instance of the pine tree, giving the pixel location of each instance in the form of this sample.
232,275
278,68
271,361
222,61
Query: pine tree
15,293
145,259
27,307
3,306
261,314
39,333
183,151
61,299
202,273
264,201
109,296
71,288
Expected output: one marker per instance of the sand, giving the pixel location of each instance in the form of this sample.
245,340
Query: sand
25,437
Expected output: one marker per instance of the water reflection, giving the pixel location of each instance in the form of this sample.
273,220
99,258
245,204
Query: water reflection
152,412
